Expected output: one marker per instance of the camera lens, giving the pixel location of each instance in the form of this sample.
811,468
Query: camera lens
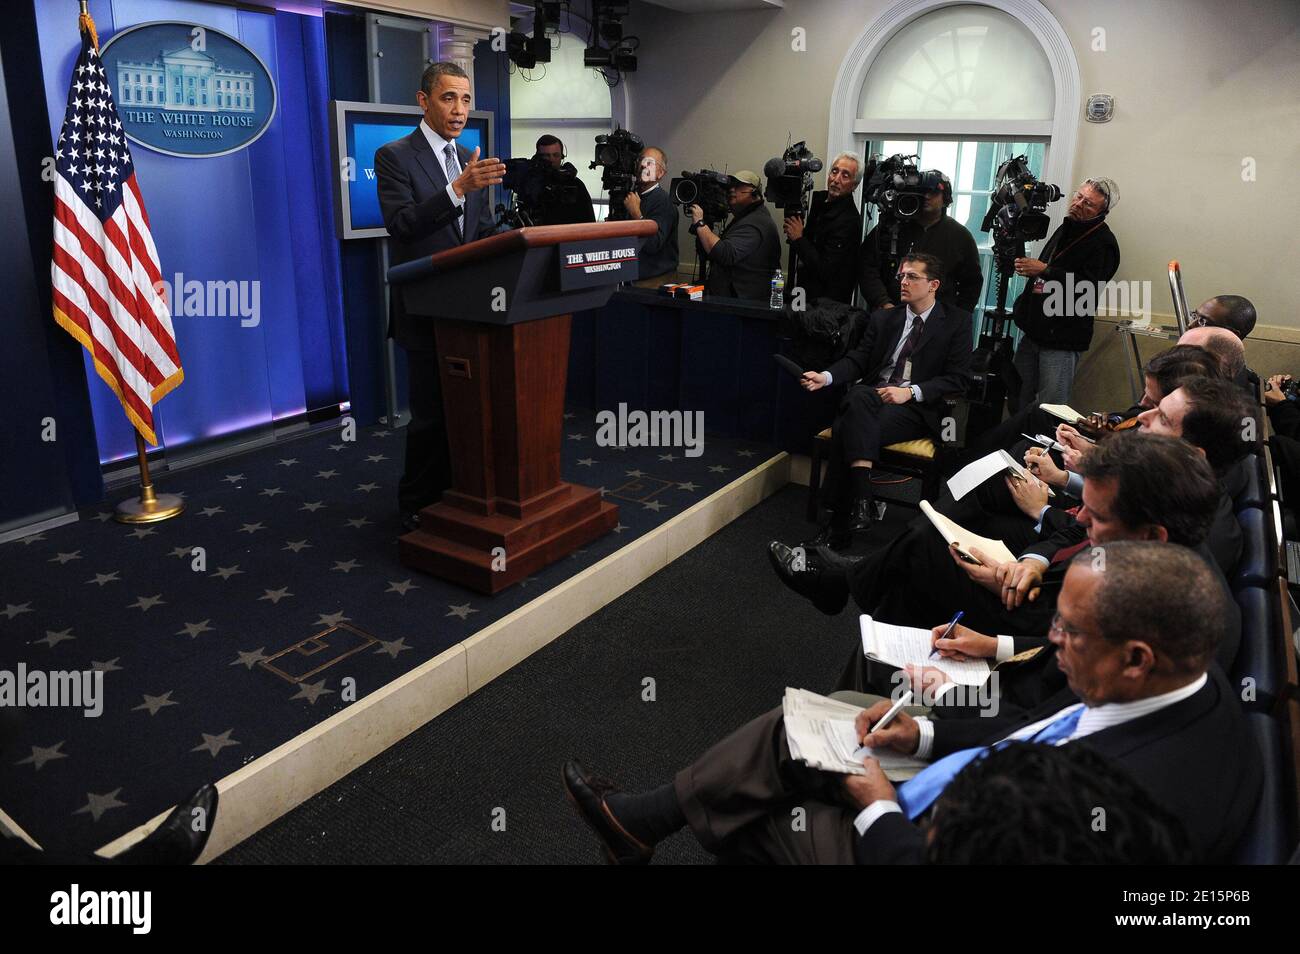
686,192
908,205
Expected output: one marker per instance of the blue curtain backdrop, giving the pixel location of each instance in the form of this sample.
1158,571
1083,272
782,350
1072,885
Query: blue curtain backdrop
263,214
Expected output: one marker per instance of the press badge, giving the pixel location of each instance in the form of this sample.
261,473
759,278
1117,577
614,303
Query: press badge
907,370
1037,286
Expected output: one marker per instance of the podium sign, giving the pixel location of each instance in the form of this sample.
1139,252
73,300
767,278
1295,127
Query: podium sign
600,262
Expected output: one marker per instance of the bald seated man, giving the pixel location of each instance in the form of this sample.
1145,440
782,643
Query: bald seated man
1228,351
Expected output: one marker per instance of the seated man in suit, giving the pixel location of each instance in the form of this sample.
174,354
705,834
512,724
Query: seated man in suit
433,194
1135,641
909,360
1229,351
1136,488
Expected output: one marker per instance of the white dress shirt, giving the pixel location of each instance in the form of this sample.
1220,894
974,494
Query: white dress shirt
1094,719
888,369
439,147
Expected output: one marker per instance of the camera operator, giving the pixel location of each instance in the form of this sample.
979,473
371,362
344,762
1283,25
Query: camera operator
659,253
827,247
743,258
930,231
1084,246
576,206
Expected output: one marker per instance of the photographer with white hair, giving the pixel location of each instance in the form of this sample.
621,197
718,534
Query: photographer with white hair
827,246
1083,247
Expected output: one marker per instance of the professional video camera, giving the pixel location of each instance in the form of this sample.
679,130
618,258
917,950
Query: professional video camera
707,189
790,179
618,152
897,187
1016,215
1017,211
538,187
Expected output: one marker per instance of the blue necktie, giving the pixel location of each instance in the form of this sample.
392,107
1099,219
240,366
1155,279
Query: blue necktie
917,794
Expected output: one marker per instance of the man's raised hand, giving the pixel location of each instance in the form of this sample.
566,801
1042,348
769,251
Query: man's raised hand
479,174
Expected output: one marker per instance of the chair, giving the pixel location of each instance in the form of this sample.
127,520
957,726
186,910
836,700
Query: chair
1258,563
920,458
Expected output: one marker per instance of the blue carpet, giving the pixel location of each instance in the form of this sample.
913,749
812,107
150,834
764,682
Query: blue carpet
209,664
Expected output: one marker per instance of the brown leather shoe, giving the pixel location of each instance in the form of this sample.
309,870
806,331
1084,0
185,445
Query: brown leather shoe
587,794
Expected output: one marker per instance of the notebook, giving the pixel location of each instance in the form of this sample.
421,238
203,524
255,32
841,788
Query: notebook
976,472
820,732
902,646
964,540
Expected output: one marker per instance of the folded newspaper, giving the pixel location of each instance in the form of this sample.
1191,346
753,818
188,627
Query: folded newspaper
820,733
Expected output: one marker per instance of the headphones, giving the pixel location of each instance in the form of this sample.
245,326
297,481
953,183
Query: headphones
932,180
564,153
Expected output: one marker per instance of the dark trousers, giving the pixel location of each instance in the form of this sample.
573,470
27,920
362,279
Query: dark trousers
1031,419
740,797
863,425
427,472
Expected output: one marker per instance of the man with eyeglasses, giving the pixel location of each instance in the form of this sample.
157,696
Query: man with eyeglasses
1136,636
743,258
658,255
909,360
1083,247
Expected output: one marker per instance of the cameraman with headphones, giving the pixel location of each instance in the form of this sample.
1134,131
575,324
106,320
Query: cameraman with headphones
578,207
743,258
1051,346
930,231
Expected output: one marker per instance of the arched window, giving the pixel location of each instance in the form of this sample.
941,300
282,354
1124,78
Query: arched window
964,87
567,100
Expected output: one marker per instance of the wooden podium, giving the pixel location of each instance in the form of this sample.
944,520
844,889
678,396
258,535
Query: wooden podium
501,308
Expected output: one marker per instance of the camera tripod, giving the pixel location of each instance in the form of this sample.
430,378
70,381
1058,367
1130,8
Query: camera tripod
992,362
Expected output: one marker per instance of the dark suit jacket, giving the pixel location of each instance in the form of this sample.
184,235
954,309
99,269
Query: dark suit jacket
659,251
941,362
419,216
1196,757
828,249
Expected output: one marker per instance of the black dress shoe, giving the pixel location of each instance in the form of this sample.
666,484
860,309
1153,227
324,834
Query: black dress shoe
176,841
410,522
587,794
812,575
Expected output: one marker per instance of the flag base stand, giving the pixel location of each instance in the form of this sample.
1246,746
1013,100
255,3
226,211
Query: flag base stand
149,507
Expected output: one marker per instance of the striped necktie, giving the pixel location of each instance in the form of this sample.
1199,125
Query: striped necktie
453,170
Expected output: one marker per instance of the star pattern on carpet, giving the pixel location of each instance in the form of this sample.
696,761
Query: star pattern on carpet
145,603
296,545
42,754
193,630
233,478
313,507
212,744
15,609
96,805
53,638
109,665
286,462
358,522
718,469
152,704
332,619
462,611
251,658
393,647
102,578
587,462
311,691
689,486
275,595
251,528
212,511
345,566
401,587
64,558
270,492
376,458
226,572
141,532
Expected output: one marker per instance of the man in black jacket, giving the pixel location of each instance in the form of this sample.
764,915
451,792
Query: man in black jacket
931,231
827,248
744,257
659,253
433,194
909,360
1135,642
1082,251
576,207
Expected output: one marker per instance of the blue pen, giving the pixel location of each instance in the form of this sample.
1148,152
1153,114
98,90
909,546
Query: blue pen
947,631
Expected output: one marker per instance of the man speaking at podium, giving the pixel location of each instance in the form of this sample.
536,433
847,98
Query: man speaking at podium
433,196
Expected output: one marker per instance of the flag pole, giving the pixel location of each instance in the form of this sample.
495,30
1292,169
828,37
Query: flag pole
149,507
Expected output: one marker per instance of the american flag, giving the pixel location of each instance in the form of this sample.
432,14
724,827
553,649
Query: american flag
105,266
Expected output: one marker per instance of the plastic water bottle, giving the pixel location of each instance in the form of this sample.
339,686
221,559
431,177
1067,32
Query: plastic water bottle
777,299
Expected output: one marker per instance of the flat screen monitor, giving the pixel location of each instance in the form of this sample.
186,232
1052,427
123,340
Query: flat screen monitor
362,128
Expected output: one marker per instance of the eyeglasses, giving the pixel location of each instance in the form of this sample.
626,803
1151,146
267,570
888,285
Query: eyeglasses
1090,203
1067,631
1198,319
913,277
